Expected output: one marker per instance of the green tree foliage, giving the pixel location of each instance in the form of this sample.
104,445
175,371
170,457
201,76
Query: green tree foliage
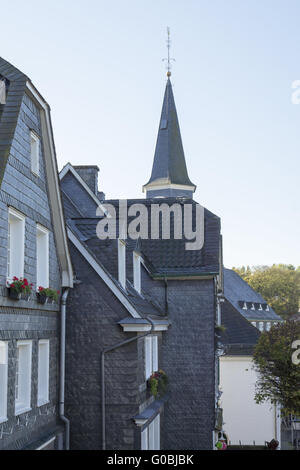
278,284
278,377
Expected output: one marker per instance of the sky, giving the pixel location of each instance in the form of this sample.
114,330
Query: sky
99,66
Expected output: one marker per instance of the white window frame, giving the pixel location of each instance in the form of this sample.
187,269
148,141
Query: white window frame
150,436
35,153
122,263
252,306
3,380
23,377
42,256
15,244
151,355
137,272
43,372
245,306
261,326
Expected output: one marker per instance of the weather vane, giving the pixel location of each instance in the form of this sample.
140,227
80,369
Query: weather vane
168,59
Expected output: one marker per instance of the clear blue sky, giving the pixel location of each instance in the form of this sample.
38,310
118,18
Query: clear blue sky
99,65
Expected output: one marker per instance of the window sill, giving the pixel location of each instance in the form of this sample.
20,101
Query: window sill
20,411
42,402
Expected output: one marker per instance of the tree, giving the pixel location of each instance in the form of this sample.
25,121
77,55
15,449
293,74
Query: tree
279,285
278,372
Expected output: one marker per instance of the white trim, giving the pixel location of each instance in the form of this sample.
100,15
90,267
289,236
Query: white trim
35,158
4,380
20,247
54,188
160,185
69,167
46,443
140,328
122,263
136,271
101,273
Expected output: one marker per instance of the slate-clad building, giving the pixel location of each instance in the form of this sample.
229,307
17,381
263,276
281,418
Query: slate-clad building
33,247
153,291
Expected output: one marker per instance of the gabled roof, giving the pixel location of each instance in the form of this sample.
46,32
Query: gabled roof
136,304
237,292
163,258
240,336
169,166
18,85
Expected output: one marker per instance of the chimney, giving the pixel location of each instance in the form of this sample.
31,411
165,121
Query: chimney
89,174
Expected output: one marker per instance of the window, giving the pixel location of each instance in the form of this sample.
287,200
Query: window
150,437
43,372
267,308
15,245
151,355
260,307
245,306
268,326
34,153
261,326
23,377
137,272
3,380
252,306
42,256
122,263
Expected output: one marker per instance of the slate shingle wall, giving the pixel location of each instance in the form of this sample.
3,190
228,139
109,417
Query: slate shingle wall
93,313
28,320
188,359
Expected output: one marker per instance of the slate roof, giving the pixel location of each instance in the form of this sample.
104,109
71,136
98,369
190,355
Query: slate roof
237,291
9,113
162,257
105,253
169,161
240,336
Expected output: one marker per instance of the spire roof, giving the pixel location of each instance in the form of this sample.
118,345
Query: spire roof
169,166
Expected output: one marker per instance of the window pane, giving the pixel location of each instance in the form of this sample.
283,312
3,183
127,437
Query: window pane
43,373
3,380
23,377
154,354
148,356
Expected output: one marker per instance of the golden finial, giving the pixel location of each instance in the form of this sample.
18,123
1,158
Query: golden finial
168,59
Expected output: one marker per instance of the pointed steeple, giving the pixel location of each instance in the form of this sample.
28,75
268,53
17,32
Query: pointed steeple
169,173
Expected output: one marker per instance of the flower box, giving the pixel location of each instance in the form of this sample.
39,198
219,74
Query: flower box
19,287
46,294
158,383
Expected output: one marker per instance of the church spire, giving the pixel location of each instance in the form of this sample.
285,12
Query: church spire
169,173
169,177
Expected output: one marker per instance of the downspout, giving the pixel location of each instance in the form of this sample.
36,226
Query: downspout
62,366
103,352
166,296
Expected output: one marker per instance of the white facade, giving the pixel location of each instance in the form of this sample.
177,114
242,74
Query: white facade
244,420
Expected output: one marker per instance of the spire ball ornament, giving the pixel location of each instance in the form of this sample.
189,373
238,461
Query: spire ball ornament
168,59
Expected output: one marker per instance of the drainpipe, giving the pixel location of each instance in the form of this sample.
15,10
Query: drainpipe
166,296
103,352
62,367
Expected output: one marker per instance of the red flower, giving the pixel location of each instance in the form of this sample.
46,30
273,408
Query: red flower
15,278
12,285
41,288
57,292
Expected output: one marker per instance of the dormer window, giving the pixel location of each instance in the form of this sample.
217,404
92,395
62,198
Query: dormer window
245,306
137,272
122,263
252,306
260,307
267,308
35,153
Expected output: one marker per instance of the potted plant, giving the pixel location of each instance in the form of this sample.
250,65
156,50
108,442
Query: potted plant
52,295
19,287
41,295
158,383
46,294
